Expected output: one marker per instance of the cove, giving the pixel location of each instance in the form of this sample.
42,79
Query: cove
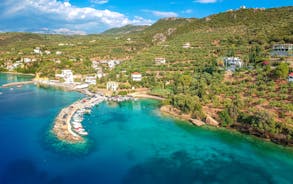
129,142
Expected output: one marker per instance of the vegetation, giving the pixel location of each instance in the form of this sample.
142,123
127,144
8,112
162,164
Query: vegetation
256,98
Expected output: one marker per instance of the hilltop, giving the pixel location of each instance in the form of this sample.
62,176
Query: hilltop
124,30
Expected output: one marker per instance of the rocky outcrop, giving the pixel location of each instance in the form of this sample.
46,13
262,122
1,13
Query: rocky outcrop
212,122
197,122
159,37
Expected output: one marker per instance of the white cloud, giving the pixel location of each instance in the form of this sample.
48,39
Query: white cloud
206,1
162,13
99,1
56,15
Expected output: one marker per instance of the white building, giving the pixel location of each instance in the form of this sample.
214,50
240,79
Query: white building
290,77
95,65
58,52
113,63
160,61
231,63
112,86
67,75
27,60
186,45
91,80
37,50
47,52
136,76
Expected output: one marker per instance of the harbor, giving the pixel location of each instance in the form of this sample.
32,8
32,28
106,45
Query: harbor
68,124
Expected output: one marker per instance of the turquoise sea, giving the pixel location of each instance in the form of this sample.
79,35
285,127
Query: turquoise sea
130,142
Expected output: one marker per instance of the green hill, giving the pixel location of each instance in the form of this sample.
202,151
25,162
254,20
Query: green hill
124,30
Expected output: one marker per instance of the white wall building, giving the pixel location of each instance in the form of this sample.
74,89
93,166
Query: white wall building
231,63
67,75
113,63
37,50
91,80
58,52
112,86
27,60
136,76
160,61
290,77
186,45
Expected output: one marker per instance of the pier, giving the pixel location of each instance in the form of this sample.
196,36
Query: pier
70,130
17,84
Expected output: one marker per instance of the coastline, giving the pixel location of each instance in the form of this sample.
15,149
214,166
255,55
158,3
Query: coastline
17,73
66,133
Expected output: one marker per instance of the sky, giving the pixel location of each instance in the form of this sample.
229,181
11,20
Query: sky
95,16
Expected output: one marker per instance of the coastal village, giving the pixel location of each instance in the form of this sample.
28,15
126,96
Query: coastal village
205,75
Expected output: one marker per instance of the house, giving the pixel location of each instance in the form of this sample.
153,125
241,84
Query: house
95,65
58,52
186,45
47,52
91,80
27,60
112,86
160,61
290,77
113,63
67,75
231,63
100,73
282,50
136,76
37,50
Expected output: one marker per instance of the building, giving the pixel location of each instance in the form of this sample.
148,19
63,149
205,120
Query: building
95,65
37,50
160,61
231,63
100,73
47,52
282,50
91,80
27,60
136,76
113,63
186,45
58,52
67,75
290,77
112,86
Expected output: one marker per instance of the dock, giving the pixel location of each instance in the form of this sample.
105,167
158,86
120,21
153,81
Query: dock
64,128
17,84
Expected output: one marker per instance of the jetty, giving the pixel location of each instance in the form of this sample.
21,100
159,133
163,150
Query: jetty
17,84
67,126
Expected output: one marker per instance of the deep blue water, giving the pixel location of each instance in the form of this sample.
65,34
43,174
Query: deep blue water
128,142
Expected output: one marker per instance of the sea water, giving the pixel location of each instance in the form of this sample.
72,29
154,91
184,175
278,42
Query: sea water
129,142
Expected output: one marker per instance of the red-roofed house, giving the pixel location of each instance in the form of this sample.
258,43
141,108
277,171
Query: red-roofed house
136,76
290,77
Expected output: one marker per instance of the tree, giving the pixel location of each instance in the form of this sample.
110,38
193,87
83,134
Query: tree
281,71
225,117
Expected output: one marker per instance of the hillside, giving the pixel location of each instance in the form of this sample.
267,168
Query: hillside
124,30
255,99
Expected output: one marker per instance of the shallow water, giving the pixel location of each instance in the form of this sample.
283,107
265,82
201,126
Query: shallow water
128,142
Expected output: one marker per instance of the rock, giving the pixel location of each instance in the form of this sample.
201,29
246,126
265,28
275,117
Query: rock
159,37
197,122
212,122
